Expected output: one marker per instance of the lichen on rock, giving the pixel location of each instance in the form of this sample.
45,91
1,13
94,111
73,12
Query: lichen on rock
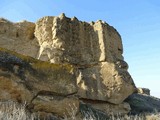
96,49
63,58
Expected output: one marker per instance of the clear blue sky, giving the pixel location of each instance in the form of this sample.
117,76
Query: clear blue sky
138,22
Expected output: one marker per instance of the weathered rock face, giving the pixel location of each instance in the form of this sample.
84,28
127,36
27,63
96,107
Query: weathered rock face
95,48
143,103
19,37
112,109
105,82
108,108
83,59
59,105
68,40
24,79
37,75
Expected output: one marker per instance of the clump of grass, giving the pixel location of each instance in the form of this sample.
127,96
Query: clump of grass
14,111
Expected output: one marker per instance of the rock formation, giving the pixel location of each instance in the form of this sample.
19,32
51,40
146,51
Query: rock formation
143,103
19,37
60,62
143,91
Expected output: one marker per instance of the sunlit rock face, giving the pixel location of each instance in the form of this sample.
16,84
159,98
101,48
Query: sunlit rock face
63,39
42,86
94,49
19,37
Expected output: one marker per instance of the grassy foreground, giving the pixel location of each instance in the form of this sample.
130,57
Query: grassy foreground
14,111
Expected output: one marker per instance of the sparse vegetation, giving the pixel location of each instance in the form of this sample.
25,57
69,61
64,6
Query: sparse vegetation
14,111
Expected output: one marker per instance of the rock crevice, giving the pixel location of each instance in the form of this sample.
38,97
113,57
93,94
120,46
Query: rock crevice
60,57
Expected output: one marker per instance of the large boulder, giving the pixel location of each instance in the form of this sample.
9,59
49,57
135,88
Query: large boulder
58,105
105,82
27,80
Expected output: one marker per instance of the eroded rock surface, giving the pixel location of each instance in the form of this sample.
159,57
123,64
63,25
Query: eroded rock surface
108,108
65,39
105,82
95,48
73,58
19,37
143,103
24,79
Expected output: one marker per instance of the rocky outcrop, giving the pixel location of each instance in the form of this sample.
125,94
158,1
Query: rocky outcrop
108,108
143,91
68,57
25,79
62,39
142,103
105,82
19,37
95,48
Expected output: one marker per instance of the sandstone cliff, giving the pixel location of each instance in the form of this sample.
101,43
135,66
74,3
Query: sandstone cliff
70,62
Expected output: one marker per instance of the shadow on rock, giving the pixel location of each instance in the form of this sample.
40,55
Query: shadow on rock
143,104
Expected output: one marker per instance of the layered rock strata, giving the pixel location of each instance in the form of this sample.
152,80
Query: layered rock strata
43,86
19,37
95,48
72,57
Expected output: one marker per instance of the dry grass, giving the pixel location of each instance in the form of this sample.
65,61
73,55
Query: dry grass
14,111
148,116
